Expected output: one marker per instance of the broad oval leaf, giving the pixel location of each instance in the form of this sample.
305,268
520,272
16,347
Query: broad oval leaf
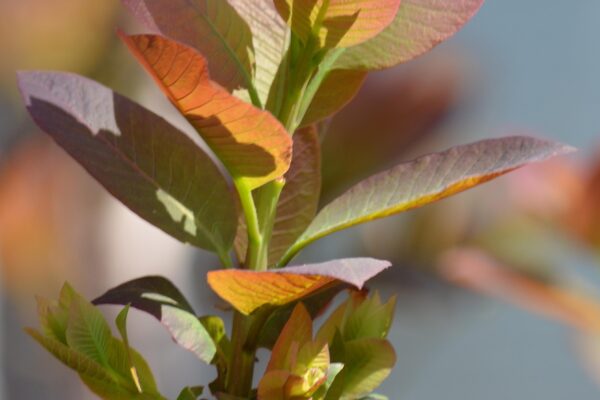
252,144
418,27
337,23
249,290
213,27
146,163
160,298
270,38
425,180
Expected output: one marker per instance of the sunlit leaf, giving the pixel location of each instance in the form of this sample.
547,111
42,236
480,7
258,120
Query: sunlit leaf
367,363
270,38
475,269
251,143
337,23
418,26
425,180
153,168
248,290
212,27
298,330
160,298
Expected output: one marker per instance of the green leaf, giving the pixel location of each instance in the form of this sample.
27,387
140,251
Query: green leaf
270,38
371,319
418,26
337,23
367,363
425,180
213,27
375,396
161,299
333,371
190,393
153,168
121,322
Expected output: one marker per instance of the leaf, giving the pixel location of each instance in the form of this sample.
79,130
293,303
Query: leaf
336,90
478,271
121,322
161,299
252,144
337,23
270,39
300,196
367,363
298,331
418,27
212,27
249,290
425,180
153,168
190,393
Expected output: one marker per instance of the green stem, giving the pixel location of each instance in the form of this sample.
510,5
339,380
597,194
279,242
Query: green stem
254,235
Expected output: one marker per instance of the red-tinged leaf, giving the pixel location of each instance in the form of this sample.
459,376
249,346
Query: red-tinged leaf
418,27
476,270
251,143
212,27
249,290
425,180
337,89
297,331
270,39
338,23
160,298
299,199
153,168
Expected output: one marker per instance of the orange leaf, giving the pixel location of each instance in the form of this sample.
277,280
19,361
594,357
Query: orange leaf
251,143
249,290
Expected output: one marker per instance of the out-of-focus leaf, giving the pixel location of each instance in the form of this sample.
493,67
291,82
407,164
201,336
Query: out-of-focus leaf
248,290
476,270
251,143
337,23
270,38
367,363
418,26
160,298
425,180
153,168
190,393
213,27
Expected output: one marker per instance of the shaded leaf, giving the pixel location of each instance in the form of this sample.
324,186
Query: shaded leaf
149,165
418,27
337,23
161,299
248,290
270,38
212,27
425,180
251,143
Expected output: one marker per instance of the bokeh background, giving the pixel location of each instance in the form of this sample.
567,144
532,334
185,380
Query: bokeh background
528,242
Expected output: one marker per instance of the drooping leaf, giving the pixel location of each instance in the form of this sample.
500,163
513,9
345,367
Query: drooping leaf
149,165
213,27
418,26
337,23
160,298
251,143
248,290
270,38
367,363
425,180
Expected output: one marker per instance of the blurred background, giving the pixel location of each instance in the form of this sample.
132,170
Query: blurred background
498,287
